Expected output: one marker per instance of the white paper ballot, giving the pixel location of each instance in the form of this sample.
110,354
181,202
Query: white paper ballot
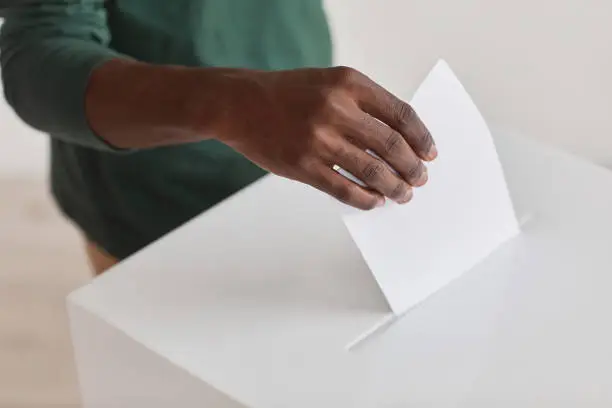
456,220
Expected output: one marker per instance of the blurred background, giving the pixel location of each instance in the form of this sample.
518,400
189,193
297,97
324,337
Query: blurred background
540,68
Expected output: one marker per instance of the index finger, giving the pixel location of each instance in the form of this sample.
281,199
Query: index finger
397,114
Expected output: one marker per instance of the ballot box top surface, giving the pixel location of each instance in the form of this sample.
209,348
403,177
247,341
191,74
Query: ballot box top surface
264,296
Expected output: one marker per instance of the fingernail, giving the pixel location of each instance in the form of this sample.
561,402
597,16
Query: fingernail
432,153
422,178
381,202
407,197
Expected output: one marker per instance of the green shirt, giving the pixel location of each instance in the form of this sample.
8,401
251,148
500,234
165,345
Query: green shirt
123,201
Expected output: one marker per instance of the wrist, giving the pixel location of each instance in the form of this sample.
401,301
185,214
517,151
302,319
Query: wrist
214,101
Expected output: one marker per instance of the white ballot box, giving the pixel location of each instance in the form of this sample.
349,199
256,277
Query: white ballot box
273,300
253,304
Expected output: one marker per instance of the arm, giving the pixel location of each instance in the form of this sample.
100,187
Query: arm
137,105
48,50
61,77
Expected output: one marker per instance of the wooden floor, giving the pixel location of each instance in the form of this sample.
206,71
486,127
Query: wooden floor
41,261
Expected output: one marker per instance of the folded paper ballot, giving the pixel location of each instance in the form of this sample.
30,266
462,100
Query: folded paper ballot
456,220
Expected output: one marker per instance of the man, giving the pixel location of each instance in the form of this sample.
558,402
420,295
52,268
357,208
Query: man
159,109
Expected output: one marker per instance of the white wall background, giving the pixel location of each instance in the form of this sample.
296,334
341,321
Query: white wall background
541,67
23,151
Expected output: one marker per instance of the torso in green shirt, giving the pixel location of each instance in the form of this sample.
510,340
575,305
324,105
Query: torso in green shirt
125,201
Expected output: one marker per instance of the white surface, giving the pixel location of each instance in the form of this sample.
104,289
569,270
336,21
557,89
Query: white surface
457,219
115,371
258,297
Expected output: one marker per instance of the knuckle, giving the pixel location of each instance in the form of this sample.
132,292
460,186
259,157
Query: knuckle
415,170
344,75
345,192
351,139
401,191
350,194
393,142
372,171
403,112
319,136
306,163
338,152
425,140
368,126
334,107
329,98
323,143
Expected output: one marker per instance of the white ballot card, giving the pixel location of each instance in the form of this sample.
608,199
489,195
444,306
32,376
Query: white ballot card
462,215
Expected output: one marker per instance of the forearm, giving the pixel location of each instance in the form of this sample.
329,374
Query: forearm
136,105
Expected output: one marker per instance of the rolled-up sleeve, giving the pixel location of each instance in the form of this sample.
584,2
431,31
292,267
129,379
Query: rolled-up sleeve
48,50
